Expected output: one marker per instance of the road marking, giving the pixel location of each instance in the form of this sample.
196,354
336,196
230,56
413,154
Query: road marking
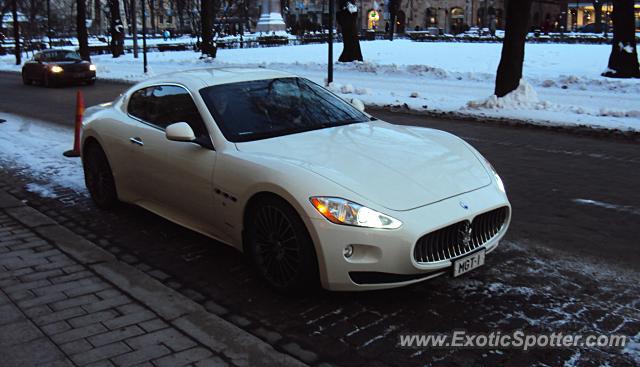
620,208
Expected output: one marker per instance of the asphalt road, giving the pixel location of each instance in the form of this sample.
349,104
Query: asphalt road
569,262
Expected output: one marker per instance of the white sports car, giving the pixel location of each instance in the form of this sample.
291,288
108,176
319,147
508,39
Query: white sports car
309,186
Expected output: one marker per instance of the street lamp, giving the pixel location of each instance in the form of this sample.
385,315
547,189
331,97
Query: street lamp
332,12
49,22
144,36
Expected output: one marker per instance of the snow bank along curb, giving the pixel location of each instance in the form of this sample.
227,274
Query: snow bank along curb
584,130
221,336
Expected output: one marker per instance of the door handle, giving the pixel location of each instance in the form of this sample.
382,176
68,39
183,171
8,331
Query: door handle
136,140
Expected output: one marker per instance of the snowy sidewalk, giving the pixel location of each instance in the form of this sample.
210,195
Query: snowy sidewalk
564,86
66,302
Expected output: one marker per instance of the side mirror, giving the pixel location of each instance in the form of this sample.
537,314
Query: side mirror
180,131
357,104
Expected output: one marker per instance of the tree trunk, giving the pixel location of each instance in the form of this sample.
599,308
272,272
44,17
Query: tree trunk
517,26
180,4
16,32
394,6
623,61
347,17
207,47
597,9
116,29
81,29
97,18
152,15
134,28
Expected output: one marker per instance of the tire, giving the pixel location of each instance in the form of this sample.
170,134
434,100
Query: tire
280,247
25,80
98,177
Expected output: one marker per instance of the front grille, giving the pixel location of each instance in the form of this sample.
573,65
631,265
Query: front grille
75,68
460,238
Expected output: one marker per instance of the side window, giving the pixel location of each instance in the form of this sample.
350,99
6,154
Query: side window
140,103
174,104
164,105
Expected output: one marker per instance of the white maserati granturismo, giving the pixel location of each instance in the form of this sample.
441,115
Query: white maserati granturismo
308,185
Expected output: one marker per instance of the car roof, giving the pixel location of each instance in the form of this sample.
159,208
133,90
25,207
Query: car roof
204,77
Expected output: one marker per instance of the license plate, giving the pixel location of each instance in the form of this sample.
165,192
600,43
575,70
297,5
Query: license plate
468,263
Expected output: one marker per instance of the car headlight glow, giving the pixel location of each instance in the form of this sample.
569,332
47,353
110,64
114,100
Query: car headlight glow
341,211
92,67
497,177
56,69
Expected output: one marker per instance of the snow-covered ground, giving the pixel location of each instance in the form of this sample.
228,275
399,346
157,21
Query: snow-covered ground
563,83
36,147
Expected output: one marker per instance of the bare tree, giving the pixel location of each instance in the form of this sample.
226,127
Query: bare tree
597,9
152,16
97,18
81,28
207,47
394,6
517,26
347,17
134,28
623,61
116,29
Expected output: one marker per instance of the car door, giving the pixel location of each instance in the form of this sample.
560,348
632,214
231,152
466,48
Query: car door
179,175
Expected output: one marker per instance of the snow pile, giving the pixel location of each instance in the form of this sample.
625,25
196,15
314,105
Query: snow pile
523,97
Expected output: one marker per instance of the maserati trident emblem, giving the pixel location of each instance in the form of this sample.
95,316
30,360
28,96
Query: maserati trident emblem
465,234
464,205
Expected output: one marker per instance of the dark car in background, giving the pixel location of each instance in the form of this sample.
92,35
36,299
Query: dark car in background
54,67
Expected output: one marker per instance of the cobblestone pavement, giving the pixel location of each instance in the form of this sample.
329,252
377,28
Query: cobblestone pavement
523,286
55,311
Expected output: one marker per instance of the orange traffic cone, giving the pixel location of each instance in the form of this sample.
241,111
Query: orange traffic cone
75,152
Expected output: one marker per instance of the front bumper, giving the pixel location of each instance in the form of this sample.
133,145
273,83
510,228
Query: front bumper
384,258
70,77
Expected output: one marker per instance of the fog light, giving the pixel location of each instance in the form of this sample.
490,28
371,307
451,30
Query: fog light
348,251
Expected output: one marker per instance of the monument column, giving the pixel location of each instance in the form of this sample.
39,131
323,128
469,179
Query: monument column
271,17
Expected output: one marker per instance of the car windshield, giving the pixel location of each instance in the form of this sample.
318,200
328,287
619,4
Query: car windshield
62,56
268,108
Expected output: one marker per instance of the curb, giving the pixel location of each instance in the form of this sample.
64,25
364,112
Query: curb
221,336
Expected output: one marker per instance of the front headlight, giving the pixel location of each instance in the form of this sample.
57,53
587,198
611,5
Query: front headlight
341,211
56,69
92,67
496,176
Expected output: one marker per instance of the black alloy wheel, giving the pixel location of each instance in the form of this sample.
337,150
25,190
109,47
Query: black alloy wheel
280,246
98,177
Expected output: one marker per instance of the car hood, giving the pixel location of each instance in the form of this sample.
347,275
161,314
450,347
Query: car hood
397,167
